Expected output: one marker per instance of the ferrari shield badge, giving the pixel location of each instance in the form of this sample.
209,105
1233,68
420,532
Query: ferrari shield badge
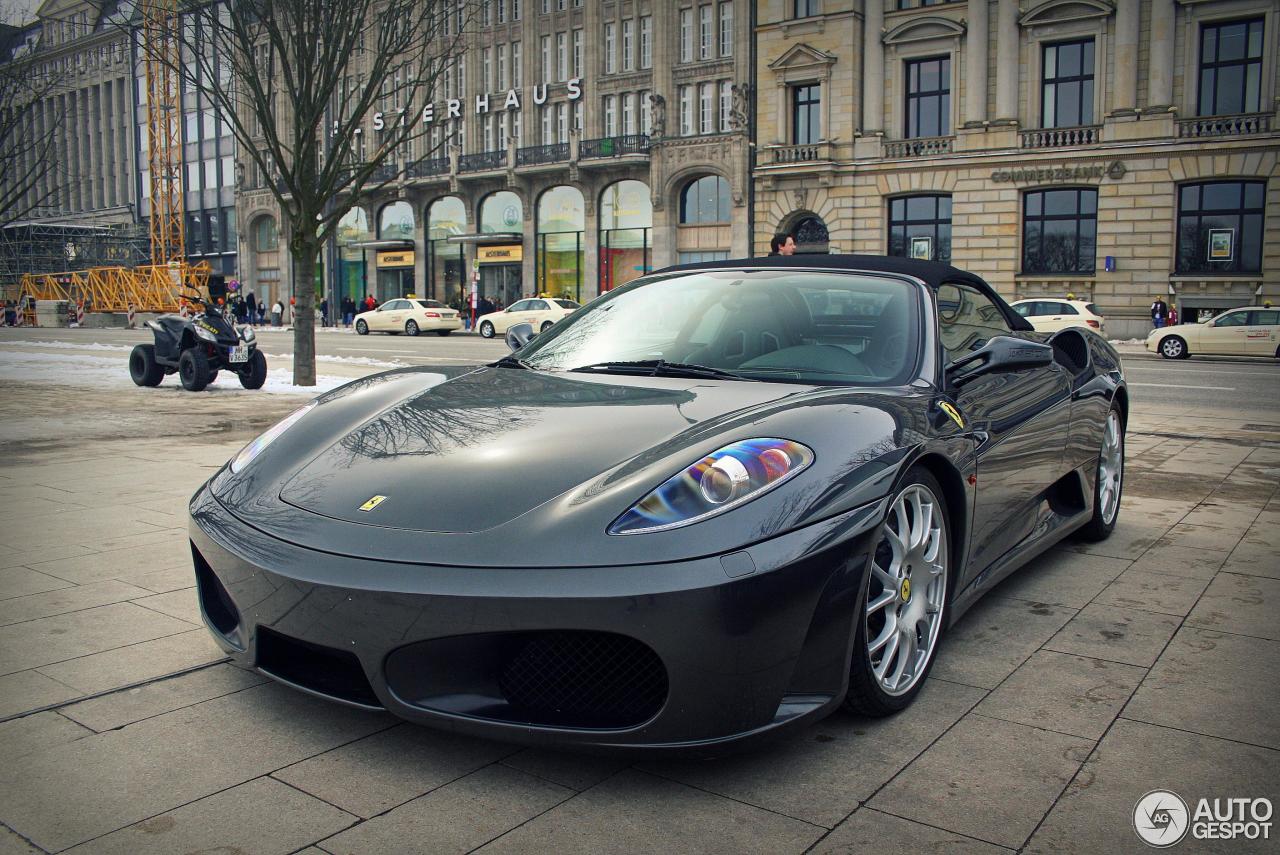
373,502
950,410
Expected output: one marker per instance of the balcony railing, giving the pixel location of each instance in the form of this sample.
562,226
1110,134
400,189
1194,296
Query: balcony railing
923,147
483,161
539,154
805,153
428,167
614,146
1061,137
1225,126
384,172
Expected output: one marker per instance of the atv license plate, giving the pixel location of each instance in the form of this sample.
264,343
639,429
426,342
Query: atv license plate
240,353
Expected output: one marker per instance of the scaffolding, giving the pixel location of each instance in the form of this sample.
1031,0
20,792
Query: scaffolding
49,245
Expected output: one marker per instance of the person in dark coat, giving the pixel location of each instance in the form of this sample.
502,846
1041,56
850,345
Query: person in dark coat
1159,312
251,307
324,312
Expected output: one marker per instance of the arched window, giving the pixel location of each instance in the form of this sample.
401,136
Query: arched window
445,261
395,221
811,236
353,228
265,236
501,212
626,226
561,219
705,200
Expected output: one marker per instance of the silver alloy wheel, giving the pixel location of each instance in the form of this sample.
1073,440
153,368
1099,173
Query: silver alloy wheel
1171,347
907,590
1110,469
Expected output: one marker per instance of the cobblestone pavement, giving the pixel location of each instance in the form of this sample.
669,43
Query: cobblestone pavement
1096,674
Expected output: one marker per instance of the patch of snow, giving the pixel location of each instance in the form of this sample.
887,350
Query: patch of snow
346,360
67,345
1133,341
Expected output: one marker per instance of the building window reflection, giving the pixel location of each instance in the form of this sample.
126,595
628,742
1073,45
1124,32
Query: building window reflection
559,249
626,229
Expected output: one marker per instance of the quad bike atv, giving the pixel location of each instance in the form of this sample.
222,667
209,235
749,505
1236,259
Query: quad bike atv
197,348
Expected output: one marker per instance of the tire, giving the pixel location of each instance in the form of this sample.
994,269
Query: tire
486,330
193,369
443,333
411,327
1173,347
143,367
1109,474
362,328
546,325
923,573
256,373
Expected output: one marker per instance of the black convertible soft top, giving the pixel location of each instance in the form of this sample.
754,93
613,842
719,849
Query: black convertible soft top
932,273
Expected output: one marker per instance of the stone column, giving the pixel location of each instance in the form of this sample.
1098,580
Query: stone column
1160,81
1125,91
872,67
975,101
1008,62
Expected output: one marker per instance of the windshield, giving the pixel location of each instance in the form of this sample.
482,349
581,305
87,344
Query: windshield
782,326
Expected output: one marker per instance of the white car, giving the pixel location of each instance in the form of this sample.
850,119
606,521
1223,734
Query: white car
409,316
540,312
1249,331
1051,315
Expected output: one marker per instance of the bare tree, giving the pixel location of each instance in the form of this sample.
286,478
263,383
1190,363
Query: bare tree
321,95
30,171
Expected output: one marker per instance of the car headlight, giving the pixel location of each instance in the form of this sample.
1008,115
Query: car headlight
207,335
722,480
253,449
247,334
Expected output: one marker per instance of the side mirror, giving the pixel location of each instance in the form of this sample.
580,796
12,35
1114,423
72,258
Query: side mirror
1000,353
520,335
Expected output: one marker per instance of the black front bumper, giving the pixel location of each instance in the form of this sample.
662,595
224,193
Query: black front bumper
685,655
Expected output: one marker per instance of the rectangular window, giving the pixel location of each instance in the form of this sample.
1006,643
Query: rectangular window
1059,231
191,130
577,115
686,111
486,69
928,97
577,53
706,113
610,116
646,41
486,13
515,127
920,227
515,10
487,124
1230,68
548,128
646,116
209,125
610,48
726,105
1067,92
726,29
546,59
629,113
228,171
704,32
502,11
504,130
562,122
193,176
804,8
1220,227
686,35
562,56
502,66
806,114
210,174
517,71
629,45
546,7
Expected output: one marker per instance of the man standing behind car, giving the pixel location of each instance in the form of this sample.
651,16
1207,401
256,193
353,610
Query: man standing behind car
1159,312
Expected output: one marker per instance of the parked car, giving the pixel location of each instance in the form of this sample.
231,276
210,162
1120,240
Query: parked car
538,312
1052,315
409,316
722,500
1250,331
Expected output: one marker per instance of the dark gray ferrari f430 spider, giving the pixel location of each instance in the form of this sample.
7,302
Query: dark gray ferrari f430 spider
718,501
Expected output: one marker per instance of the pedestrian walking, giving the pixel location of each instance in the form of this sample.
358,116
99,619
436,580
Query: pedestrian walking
277,313
251,308
782,244
324,312
1159,312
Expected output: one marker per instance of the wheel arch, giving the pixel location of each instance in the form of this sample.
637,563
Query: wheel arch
1121,398
954,494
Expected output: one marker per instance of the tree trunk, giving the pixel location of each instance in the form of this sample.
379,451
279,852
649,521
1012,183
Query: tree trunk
304,314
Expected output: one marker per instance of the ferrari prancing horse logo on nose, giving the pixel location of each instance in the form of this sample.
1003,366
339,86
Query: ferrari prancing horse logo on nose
373,502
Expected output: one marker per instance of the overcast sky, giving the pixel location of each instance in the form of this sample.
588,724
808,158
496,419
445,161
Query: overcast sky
18,11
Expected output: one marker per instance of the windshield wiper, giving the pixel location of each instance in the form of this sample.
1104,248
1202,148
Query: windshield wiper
659,368
511,362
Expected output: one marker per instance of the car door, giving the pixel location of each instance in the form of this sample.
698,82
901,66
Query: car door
512,315
1019,419
1262,332
1225,334
539,311
1063,315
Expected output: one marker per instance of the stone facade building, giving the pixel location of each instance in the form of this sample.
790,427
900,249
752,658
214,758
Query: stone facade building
1112,150
623,150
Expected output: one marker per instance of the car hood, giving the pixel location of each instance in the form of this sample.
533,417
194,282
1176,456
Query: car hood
480,450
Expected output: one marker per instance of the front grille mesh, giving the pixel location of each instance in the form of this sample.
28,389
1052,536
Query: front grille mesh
584,679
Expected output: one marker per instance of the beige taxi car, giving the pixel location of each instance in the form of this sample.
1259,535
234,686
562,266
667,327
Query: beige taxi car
1052,315
539,312
409,316
1249,331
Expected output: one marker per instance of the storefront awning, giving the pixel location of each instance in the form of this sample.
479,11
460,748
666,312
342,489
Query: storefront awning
381,244
488,237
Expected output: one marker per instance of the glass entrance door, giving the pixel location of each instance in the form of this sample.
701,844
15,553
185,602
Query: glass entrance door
500,284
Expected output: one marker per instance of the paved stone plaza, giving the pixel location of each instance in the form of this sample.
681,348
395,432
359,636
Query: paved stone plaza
1092,676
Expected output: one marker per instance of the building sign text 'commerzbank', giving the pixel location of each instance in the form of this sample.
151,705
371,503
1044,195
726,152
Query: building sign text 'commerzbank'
1079,172
482,104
